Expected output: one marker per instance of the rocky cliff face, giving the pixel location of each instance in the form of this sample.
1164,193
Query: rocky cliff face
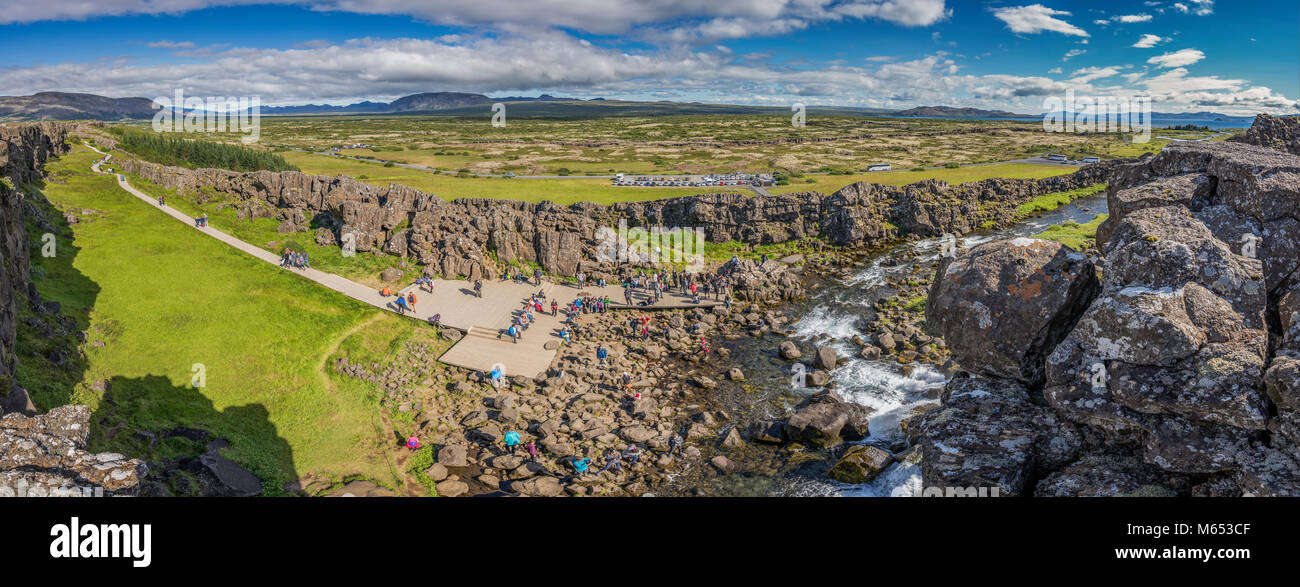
1178,372
23,152
1273,132
46,456
453,238
40,455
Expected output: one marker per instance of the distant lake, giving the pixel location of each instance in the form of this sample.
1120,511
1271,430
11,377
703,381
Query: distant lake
1156,121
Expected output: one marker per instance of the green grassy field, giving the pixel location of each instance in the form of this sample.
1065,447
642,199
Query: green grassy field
361,267
450,187
830,183
157,298
1052,201
1072,234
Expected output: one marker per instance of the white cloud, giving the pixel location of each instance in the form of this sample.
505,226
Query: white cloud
1036,18
1203,7
1072,53
1180,7
1177,58
1089,74
539,59
1131,18
1055,70
1148,41
171,45
725,18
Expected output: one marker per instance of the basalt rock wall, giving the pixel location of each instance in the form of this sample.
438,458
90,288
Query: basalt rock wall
1178,370
24,149
454,238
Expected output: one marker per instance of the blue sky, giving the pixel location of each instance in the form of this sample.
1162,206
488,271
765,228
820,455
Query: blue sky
1232,57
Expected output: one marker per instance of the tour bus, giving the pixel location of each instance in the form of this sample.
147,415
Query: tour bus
1092,159
1057,158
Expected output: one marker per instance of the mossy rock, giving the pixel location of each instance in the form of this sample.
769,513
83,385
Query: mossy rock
860,464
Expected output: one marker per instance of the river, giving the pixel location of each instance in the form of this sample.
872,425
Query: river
833,312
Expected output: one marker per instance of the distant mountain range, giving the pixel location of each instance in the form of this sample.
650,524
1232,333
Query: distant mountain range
66,106
949,112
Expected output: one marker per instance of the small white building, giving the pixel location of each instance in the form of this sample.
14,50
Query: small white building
879,167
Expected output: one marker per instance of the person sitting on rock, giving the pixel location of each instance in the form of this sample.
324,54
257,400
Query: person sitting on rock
613,460
632,454
675,443
413,443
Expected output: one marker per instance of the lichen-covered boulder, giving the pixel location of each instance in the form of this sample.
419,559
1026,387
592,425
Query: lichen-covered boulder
988,433
1004,305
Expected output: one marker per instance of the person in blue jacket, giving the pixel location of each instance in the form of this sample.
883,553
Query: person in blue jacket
512,441
580,466
601,354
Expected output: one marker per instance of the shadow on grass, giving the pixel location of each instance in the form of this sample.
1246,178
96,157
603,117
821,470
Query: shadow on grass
50,363
191,445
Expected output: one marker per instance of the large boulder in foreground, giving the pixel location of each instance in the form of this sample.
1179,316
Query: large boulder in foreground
988,433
826,420
1003,306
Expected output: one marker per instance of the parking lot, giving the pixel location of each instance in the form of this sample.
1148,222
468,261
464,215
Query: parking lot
706,180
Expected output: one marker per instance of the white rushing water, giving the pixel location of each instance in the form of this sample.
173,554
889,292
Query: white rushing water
892,390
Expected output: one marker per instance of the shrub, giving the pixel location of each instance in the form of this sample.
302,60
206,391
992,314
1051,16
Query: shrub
169,150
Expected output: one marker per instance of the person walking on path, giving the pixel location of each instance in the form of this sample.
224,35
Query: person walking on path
401,305
410,300
514,333
511,439
531,447
555,308
161,201
601,354
537,274
478,288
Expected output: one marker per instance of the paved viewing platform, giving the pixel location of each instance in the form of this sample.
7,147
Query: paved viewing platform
483,320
